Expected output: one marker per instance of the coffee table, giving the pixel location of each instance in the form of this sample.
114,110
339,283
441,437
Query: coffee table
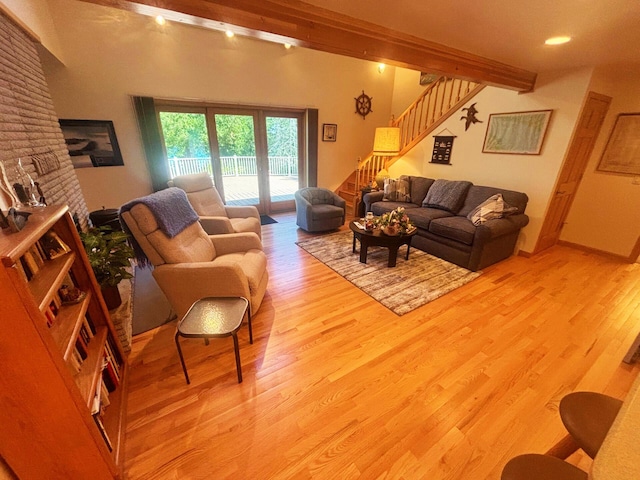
375,237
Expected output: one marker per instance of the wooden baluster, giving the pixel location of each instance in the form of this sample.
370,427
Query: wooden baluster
451,84
420,130
442,94
459,90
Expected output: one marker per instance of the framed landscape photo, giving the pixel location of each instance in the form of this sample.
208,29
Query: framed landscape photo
520,133
329,132
622,152
91,143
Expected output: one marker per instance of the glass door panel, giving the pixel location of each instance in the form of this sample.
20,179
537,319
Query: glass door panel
186,141
238,163
283,154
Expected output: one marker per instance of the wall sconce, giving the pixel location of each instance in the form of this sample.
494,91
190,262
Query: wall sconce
381,67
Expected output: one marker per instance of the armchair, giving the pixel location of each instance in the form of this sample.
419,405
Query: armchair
319,209
215,216
191,264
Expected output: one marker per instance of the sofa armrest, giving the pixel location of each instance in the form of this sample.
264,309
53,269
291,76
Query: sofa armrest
245,211
216,225
371,198
235,242
500,226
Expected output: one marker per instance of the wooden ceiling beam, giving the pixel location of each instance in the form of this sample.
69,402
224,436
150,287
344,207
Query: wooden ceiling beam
308,26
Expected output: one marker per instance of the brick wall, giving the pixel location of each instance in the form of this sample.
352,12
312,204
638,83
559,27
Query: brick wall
29,127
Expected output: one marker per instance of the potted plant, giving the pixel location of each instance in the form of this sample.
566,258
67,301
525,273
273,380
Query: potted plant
109,255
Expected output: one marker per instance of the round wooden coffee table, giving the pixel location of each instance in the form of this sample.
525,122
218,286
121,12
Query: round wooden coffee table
379,239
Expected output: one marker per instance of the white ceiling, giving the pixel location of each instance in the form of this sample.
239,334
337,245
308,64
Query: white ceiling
605,32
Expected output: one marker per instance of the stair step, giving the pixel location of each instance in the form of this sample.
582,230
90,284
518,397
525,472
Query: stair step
349,196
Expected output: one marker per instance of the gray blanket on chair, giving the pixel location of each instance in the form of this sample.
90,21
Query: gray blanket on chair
172,211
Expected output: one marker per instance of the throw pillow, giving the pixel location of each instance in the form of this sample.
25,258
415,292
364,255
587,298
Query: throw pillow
493,207
447,195
396,190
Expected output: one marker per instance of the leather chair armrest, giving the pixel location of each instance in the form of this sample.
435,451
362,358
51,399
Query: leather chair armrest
235,242
216,225
242,211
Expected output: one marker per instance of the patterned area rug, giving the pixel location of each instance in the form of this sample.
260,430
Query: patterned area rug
409,285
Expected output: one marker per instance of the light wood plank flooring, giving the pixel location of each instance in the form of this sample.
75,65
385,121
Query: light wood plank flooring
338,387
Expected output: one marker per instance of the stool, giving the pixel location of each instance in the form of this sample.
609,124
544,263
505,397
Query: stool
534,466
214,317
587,416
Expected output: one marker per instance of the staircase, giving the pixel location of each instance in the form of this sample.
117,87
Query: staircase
439,101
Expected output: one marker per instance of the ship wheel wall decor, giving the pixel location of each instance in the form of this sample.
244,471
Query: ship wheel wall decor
363,104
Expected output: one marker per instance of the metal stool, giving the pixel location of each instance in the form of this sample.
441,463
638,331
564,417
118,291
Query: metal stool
534,466
215,317
587,416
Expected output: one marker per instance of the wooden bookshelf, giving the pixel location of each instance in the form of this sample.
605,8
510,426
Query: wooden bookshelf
61,360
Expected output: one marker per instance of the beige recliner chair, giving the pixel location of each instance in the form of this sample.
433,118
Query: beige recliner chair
215,216
192,265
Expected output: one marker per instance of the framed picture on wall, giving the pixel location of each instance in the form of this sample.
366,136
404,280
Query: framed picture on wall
520,133
622,153
91,143
329,132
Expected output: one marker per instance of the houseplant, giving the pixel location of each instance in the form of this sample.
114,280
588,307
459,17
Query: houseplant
109,255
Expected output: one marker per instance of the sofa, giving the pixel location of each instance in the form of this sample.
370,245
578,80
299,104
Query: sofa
442,211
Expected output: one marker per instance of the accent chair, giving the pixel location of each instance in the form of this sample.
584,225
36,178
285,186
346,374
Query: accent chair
215,216
319,209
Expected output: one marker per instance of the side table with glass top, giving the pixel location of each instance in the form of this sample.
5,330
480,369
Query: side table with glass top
215,317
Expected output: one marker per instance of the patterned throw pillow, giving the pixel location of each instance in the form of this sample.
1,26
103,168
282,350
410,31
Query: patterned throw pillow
492,207
396,190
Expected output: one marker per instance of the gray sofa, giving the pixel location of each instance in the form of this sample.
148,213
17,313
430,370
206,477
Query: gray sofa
446,232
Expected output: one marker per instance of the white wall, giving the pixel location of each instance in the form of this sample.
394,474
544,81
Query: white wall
406,88
36,15
606,211
563,92
111,54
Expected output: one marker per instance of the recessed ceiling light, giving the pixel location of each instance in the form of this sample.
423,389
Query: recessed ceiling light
229,33
557,40
160,20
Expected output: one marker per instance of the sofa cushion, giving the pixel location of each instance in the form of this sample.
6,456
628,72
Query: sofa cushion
478,194
447,195
456,228
378,208
492,208
419,188
422,217
396,190
323,211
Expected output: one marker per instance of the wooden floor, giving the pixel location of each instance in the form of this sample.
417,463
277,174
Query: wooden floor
338,387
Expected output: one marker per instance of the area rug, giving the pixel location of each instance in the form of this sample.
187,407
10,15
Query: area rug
409,285
266,220
151,308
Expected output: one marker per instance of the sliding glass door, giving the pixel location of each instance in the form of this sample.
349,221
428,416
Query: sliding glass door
254,156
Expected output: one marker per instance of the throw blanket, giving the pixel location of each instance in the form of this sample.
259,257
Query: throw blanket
172,211
447,195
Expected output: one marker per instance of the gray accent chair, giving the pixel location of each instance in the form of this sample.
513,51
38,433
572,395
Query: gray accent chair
319,209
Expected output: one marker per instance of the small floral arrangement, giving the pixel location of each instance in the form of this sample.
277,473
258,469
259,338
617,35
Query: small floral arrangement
395,222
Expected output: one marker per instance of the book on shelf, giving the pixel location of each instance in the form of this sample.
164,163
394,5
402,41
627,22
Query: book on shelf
103,432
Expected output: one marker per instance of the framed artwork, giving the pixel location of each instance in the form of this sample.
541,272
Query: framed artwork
91,143
622,153
329,132
520,133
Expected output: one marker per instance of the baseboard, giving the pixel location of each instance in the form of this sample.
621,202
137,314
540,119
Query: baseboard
525,254
595,250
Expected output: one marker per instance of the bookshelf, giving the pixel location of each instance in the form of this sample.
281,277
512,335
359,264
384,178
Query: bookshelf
64,372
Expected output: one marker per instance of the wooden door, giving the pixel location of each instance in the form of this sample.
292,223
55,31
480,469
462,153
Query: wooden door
575,163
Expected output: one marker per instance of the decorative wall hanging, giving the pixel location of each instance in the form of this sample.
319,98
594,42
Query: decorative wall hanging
91,143
46,162
519,133
363,104
442,146
622,152
329,132
470,118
